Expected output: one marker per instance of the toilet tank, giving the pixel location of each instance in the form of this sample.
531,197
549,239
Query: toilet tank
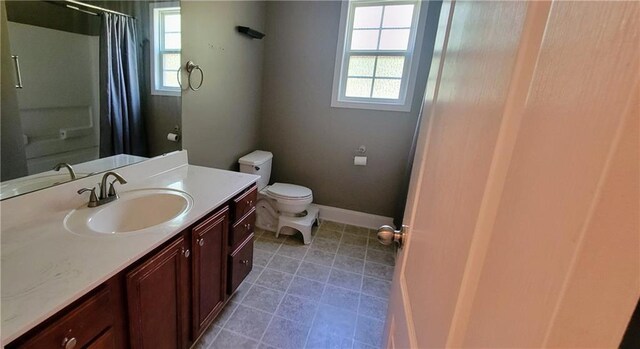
258,163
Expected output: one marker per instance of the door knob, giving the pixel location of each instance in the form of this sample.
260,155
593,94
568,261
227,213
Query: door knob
387,235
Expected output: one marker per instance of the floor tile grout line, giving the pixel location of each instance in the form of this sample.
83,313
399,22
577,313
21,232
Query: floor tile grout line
331,267
324,288
307,261
238,333
366,250
281,300
306,278
272,314
274,252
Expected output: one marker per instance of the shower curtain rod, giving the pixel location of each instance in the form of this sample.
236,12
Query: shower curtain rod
74,5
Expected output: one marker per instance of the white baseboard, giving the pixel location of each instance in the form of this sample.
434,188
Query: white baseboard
356,218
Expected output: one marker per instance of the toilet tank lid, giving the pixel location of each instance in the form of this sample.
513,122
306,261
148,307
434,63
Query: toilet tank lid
256,158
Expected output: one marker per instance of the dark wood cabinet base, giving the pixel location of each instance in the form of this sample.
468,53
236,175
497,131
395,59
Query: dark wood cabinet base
166,299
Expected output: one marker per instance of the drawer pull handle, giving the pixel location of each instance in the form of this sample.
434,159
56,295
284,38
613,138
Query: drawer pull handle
69,343
201,242
186,253
250,202
244,261
248,226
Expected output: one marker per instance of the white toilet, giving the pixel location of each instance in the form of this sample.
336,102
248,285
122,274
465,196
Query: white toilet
281,208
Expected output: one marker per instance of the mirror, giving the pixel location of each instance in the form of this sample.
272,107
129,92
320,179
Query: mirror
86,87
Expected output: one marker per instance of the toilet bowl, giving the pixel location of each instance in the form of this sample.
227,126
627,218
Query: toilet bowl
282,208
290,199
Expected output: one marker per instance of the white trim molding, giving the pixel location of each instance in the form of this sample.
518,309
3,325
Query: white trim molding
360,219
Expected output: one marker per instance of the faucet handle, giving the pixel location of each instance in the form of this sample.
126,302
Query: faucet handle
112,190
93,198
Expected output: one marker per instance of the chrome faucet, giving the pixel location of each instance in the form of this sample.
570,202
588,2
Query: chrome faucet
105,196
72,173
112,191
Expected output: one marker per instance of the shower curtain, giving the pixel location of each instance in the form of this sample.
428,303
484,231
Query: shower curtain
121,123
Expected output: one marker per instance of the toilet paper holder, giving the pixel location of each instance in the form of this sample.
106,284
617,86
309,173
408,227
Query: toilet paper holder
175,135
360,158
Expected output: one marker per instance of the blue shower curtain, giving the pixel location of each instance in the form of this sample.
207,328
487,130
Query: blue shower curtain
121,123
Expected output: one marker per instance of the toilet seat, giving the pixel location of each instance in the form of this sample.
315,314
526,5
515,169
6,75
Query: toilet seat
289,192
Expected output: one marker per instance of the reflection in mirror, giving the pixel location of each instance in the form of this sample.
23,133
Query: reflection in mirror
86,87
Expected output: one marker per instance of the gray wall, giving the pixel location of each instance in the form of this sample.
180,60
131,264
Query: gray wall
162,114
220,121
314,144
14,161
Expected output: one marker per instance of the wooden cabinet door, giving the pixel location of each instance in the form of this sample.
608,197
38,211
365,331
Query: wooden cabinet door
106,340
158,295
209,240
240,264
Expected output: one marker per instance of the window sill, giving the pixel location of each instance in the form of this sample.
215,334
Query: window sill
166,93
371,106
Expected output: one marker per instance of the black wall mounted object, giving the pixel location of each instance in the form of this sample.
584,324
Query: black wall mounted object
254,34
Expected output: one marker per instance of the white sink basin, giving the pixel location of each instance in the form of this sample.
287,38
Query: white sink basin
134,211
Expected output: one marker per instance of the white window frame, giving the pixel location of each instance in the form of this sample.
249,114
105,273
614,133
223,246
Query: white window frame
412,59
157,49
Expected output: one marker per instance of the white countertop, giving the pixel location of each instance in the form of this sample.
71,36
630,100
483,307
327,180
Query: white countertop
46,267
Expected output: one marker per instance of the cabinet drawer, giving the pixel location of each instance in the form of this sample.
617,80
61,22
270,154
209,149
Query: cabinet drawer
82,324
244,203
242,229
240,264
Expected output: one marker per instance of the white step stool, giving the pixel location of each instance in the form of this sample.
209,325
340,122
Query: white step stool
301,224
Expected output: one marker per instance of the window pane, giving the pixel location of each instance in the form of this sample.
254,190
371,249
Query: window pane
390,66
358,87
364,39
172,23
386,88
367,17
394,39
397,16
361,65
171,61
170,78
172,41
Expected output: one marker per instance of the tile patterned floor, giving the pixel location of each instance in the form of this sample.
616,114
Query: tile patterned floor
332,293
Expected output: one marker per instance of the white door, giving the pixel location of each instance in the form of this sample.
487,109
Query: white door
523,207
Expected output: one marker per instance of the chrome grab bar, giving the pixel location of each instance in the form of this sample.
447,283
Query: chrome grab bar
16,62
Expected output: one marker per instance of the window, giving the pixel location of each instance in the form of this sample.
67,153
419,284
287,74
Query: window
377,56
165,46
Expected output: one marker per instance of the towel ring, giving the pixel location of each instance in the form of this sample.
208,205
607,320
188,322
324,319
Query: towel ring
190,68
179,77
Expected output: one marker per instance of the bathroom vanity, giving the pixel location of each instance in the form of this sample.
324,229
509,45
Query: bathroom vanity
156,287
